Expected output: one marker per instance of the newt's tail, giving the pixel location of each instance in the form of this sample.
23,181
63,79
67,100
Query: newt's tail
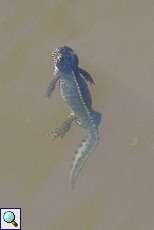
83,152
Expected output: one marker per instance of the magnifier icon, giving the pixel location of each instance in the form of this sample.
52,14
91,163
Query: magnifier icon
9,217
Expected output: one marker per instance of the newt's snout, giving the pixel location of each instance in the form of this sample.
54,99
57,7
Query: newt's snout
55,56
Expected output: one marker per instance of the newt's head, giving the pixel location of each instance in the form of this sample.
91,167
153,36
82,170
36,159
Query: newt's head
65,59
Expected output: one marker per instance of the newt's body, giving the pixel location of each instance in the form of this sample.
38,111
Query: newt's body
74,90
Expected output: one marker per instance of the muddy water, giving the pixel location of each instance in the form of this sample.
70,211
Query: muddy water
114,40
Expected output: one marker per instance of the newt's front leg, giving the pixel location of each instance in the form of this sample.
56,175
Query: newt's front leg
52,86
65,127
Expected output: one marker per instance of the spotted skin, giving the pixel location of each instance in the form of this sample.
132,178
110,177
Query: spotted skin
73,82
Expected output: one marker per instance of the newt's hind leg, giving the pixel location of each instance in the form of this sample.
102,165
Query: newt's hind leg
64,128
